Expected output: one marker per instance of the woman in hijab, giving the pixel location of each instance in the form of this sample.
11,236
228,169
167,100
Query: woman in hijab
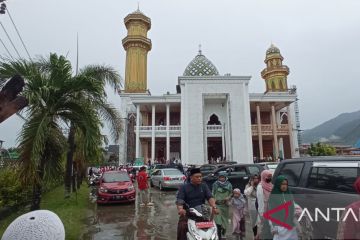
280,194
350,228
222,191
263,191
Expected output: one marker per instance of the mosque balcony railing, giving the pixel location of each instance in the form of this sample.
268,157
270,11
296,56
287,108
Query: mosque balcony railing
267,130
160,131
214,130
274,69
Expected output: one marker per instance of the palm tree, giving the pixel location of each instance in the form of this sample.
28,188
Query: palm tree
58,98
95,100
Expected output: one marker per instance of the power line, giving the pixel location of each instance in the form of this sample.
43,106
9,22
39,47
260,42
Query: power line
7,9
7,50
10,39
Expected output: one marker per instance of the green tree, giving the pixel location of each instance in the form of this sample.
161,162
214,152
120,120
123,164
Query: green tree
96,102
320,149
58,98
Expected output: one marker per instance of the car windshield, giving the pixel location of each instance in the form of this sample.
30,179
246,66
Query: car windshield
172,172
272,166
116,177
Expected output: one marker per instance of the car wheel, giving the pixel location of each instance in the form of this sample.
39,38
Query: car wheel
151,184
161,187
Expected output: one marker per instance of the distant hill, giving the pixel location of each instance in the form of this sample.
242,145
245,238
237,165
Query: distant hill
343,129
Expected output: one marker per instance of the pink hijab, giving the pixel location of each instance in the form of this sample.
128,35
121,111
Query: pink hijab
357,185
267,187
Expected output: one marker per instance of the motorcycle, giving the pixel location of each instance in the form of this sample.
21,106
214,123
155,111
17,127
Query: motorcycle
199,225
94,179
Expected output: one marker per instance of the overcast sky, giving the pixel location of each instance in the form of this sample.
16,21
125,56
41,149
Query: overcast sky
319,40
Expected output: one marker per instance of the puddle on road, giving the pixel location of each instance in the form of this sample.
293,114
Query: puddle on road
130,221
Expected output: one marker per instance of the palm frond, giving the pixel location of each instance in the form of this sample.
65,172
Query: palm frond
32,144
105,74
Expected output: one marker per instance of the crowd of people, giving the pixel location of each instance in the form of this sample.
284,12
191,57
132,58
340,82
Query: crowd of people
259,196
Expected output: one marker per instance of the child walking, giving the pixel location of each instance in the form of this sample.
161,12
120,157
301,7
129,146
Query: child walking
238,203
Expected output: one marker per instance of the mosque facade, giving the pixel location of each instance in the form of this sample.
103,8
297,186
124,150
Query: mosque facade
211,117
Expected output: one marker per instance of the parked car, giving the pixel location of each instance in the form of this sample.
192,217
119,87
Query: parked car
206,169
115,187
162,166
238,174
323,183
269,165
167,178
155,167
135,169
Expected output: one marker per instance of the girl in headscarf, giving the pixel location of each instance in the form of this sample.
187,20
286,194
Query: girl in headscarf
250,193
280,194
222,191
350,228
238,204
262,193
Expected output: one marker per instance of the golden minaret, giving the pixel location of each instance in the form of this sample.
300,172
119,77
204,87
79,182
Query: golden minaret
275,73
137,46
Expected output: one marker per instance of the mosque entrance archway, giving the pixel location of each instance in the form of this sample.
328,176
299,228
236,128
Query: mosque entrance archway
214,149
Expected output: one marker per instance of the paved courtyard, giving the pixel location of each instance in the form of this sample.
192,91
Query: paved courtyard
129,221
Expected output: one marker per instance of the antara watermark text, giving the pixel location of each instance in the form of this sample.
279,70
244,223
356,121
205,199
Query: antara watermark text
342,214
326,213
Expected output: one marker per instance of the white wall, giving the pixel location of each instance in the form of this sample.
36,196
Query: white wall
218,108
193,119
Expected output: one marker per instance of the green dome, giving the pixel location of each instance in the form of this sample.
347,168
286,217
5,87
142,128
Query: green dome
272,49
201,66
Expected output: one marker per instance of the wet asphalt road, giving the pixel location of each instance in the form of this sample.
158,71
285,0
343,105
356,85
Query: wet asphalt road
130,221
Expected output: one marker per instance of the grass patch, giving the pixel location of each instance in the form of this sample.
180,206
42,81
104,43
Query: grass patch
71,211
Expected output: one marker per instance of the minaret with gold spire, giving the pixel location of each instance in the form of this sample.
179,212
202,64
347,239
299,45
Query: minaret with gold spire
137,46
275,73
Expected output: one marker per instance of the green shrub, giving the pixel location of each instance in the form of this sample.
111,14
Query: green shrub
12,192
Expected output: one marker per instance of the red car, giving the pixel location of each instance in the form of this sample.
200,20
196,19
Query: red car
116,187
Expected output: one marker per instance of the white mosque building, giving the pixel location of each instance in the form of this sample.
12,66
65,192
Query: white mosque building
211,116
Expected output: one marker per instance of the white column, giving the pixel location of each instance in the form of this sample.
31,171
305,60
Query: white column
228,133
137,146
153,134
259,132
274,127
167,131
290,126
281,147
223,140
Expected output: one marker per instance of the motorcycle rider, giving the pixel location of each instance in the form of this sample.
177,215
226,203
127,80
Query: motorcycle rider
192,194
90,172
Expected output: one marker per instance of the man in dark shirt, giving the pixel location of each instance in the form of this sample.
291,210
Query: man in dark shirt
192,194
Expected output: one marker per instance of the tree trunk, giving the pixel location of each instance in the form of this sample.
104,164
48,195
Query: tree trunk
79,178
37,188
74,177
69,161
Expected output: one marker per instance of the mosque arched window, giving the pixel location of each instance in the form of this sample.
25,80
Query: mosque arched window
214,120
283,118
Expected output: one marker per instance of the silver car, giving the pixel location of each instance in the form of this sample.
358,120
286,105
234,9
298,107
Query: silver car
167,178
